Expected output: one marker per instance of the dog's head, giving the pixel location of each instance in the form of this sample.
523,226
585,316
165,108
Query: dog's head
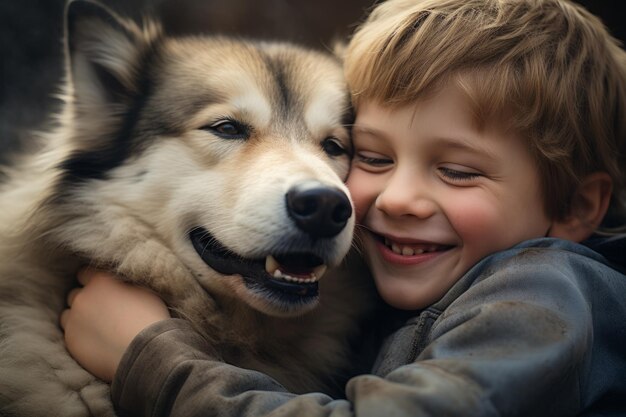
230,154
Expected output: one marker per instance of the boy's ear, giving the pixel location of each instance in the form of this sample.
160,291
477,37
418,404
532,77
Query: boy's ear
588,207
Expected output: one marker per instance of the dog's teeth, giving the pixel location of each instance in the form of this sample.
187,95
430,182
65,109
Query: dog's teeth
271,265
273,269
318,272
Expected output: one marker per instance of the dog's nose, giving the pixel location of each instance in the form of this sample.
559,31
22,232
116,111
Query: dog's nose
317,209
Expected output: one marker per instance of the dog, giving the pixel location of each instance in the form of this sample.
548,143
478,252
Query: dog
208,169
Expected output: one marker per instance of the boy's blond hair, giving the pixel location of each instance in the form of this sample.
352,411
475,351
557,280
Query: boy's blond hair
548,67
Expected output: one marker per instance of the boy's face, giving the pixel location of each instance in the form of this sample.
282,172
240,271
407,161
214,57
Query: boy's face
436,194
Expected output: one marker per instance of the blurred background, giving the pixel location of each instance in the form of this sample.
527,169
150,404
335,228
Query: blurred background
31,30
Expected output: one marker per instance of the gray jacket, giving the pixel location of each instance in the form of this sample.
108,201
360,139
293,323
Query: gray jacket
537,330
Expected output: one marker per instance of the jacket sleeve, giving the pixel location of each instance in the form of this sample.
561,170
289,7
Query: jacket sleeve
169,371
512,344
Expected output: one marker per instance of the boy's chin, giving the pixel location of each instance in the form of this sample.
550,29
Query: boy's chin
403,292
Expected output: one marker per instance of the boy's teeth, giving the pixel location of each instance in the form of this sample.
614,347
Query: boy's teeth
273,268
406,250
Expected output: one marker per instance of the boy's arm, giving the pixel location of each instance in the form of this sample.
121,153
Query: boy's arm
496,351
502,358
169,370
493,352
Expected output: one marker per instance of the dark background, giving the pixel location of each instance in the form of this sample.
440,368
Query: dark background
30,40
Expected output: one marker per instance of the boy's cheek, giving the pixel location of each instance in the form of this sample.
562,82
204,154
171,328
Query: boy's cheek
472,221
477,224
487,228
362,192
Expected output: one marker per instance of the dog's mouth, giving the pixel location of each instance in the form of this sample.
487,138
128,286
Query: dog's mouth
293,276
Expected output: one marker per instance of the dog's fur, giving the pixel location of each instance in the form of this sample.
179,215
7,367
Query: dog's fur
160,137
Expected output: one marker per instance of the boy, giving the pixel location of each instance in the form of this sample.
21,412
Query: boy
489,141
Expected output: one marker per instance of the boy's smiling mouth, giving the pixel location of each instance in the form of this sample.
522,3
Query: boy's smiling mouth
413,248
407,251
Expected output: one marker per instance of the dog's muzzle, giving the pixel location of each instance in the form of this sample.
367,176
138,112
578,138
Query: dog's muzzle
319,213
293,275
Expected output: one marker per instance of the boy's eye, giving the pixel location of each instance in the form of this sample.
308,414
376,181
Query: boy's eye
457,175
372,159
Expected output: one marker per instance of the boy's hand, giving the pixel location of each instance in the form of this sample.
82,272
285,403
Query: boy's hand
104,317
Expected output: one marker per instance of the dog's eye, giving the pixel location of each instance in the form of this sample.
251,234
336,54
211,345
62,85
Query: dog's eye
229,129
333,147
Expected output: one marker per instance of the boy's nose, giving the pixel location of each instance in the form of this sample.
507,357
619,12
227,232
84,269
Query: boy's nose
406,195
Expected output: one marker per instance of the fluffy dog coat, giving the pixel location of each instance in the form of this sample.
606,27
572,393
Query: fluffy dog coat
202,168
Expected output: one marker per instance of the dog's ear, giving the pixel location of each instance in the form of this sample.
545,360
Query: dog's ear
104,53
